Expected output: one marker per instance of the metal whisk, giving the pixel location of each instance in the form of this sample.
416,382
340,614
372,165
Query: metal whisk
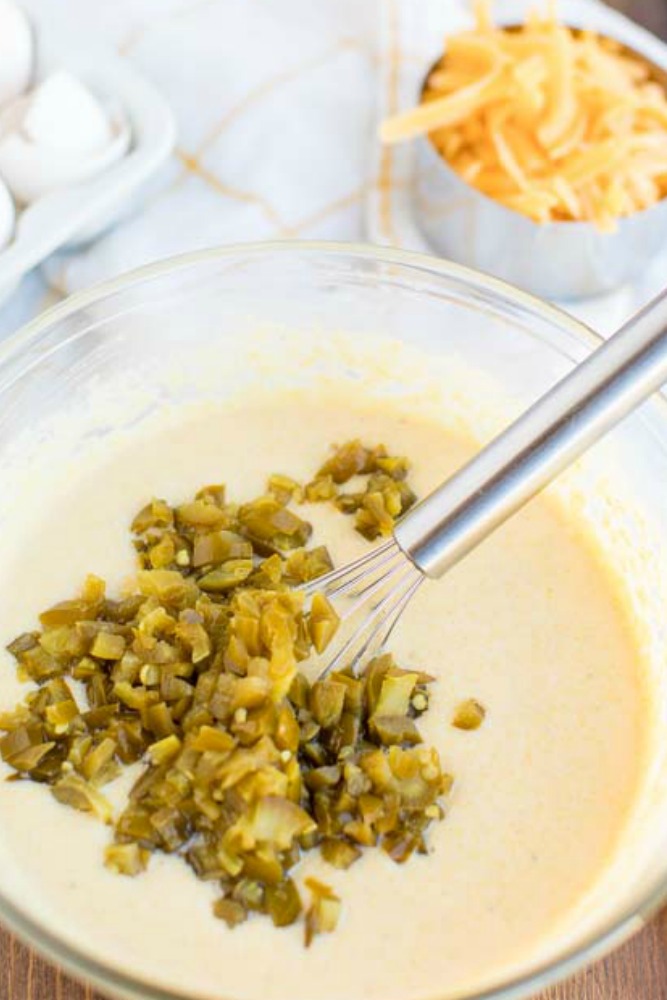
373,591
379,585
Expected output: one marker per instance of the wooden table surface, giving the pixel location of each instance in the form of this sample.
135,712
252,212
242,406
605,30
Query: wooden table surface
637,971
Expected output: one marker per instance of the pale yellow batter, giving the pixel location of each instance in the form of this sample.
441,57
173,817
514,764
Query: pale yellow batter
530,625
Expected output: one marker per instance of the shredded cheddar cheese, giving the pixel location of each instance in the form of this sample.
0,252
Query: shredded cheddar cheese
556,123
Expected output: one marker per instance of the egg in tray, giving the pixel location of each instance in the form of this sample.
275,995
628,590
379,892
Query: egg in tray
54,132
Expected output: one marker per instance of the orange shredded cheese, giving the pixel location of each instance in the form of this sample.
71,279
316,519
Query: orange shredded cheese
556,123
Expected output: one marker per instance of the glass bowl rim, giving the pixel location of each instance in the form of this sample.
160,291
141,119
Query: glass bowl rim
591,948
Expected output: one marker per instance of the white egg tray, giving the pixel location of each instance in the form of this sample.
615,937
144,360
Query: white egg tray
79,213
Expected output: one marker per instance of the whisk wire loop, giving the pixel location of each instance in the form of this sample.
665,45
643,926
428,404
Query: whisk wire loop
375,589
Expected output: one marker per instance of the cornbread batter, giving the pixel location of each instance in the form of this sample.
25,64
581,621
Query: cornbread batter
530,624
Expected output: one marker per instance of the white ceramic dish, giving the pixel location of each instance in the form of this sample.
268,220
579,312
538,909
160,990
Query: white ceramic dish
79,213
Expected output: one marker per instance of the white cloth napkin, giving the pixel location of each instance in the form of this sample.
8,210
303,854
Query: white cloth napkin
277,104
274,102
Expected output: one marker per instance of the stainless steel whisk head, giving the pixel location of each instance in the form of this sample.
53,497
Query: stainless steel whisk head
459,514
375,589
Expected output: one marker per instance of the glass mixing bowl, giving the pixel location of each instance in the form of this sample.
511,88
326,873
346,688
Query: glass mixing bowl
143,321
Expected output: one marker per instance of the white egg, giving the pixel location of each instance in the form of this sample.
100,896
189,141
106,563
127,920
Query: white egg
63,114
55,136
17,51
7,215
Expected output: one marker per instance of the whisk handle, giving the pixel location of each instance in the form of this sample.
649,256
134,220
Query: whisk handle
517,464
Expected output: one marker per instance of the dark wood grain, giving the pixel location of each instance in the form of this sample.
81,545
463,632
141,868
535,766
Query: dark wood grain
25,976
651,13
638,971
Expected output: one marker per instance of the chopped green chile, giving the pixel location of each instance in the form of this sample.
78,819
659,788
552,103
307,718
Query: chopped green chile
350,459
339,853
107,646
394,729
267,520
395,694
323,622
230,575
246,765
99,763
23,748
327,699
324,912
284,489
73,790
283,903
305,565
386,495
22,643
229,910
163,751
126,859
217,547
469,715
